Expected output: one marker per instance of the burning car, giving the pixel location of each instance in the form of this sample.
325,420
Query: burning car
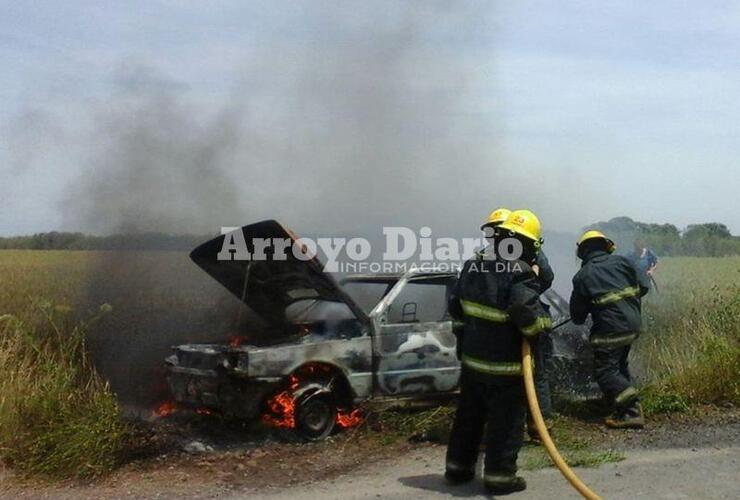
331,345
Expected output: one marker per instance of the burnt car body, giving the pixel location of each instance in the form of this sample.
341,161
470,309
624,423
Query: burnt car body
333,346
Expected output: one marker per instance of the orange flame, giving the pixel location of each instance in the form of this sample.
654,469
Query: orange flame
282,406
165,409
282,411
237,340
346,419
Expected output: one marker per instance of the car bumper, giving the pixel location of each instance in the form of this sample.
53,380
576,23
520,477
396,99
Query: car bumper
222,392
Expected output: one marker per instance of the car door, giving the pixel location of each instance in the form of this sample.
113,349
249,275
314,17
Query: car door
414,345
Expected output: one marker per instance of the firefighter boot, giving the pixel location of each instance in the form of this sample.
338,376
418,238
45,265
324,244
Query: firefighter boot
630,418
503,484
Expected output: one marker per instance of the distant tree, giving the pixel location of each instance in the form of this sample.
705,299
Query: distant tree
707,230
621,224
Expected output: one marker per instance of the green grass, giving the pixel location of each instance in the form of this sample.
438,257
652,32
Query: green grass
533,458
576,449
58,419
656,400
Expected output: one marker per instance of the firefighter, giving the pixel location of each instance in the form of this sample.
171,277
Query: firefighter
542,347
609,287
498,302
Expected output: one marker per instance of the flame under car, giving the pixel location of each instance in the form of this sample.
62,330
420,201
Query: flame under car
332,346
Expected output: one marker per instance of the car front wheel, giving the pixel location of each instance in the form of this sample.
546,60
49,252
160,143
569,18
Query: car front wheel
316,416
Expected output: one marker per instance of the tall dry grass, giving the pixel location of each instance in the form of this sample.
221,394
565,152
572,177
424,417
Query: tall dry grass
65,370
690,350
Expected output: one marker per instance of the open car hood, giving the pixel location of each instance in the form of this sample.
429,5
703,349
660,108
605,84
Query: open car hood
268,286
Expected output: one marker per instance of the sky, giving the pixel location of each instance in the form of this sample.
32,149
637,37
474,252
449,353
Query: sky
333,114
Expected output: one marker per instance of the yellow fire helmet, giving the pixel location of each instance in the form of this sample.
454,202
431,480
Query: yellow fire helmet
524,223
593,234
496,217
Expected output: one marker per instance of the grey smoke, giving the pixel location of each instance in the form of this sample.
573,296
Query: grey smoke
374,124
156,164
377,127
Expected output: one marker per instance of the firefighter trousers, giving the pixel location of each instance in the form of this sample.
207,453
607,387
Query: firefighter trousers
496,403
611,369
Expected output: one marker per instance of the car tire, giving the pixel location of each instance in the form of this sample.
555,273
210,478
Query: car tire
316,416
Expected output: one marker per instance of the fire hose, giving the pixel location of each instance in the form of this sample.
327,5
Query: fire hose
534,409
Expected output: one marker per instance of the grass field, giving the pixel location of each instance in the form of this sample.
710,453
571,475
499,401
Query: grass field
68,317
59,418
690,349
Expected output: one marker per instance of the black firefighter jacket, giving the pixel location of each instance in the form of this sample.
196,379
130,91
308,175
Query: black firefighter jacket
609,288
497,302
546,276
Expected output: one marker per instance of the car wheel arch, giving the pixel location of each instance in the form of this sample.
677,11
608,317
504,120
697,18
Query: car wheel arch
323,377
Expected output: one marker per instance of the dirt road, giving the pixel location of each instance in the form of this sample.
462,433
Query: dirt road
692,456
692,473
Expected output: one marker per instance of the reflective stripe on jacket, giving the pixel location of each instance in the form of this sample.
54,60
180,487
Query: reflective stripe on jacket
492,367
613,339
484,312
617,295
610,289
497,306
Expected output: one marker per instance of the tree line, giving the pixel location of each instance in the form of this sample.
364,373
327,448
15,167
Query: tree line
56,240
711,239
